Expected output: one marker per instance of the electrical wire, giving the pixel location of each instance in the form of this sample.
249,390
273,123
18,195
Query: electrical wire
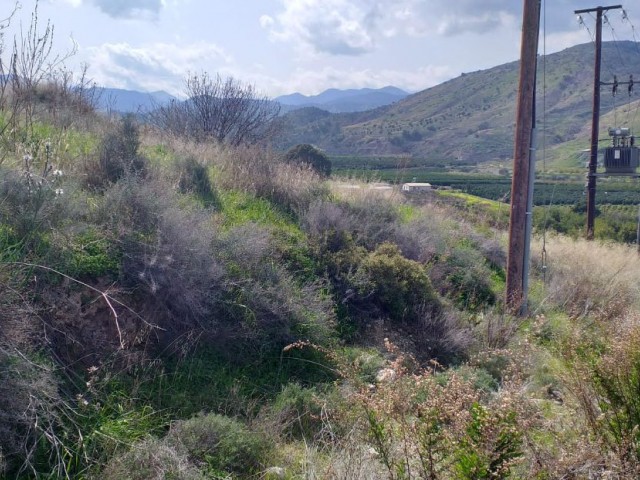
603,60
605,21
624,64
636,43
625,16
543,253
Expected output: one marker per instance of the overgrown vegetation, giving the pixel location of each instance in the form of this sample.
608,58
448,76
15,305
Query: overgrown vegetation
180,308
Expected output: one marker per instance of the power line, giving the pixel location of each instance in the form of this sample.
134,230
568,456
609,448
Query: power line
625,16
636,44
615,41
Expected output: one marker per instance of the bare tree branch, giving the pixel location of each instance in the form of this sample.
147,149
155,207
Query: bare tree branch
221,109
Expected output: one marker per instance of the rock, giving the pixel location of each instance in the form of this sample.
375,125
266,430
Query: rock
386,375
274,473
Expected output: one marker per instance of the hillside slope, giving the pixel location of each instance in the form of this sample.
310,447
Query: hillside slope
469,119
340,101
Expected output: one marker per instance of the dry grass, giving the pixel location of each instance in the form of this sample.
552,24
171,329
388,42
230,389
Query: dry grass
252,170
590,278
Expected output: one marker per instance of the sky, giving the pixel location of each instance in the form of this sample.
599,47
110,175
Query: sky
306,46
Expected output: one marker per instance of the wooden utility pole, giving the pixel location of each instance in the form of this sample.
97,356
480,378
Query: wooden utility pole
516,268
595,119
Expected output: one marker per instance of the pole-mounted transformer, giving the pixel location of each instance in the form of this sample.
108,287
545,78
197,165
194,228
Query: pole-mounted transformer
622,158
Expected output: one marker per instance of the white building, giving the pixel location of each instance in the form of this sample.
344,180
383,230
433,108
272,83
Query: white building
416,187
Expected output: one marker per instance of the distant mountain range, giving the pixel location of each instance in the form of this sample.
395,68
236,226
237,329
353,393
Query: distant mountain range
340,101
128,101
470,119
332,100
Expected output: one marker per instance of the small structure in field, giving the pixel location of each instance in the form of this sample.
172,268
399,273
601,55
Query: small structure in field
414,187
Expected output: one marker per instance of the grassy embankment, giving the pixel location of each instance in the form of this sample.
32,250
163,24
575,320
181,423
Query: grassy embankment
195,311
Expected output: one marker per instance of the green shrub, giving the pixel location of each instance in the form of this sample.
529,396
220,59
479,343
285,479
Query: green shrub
465,277
400,287
118,155
297,412
92,254
616,378
220,444
305,154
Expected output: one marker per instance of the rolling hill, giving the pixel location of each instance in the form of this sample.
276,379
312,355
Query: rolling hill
128,101
469,119
339,101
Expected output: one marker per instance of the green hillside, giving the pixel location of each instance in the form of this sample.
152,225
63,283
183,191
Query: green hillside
469,119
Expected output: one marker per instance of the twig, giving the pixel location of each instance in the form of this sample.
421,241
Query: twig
105,295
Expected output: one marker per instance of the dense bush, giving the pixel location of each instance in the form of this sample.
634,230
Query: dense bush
220,445
398,286
298,412
305,154
264,304
117,155
465,277
30,411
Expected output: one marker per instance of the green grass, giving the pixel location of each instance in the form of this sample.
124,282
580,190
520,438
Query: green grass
238,208
207,380
159,154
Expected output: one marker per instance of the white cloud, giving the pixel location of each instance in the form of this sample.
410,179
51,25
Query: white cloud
158,66
354,27
339,27
149,9
73,3
266,21
130,8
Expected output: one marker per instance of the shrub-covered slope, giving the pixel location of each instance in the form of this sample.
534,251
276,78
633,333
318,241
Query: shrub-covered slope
172,309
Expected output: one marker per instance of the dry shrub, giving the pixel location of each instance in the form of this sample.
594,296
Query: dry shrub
353,459
374,220
263,173
263,303
254,170
424,238
31,415
366,221
601,378
151,460
426,425
363,216
616,383
118,155
589,278
442,336
166,250
496,329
